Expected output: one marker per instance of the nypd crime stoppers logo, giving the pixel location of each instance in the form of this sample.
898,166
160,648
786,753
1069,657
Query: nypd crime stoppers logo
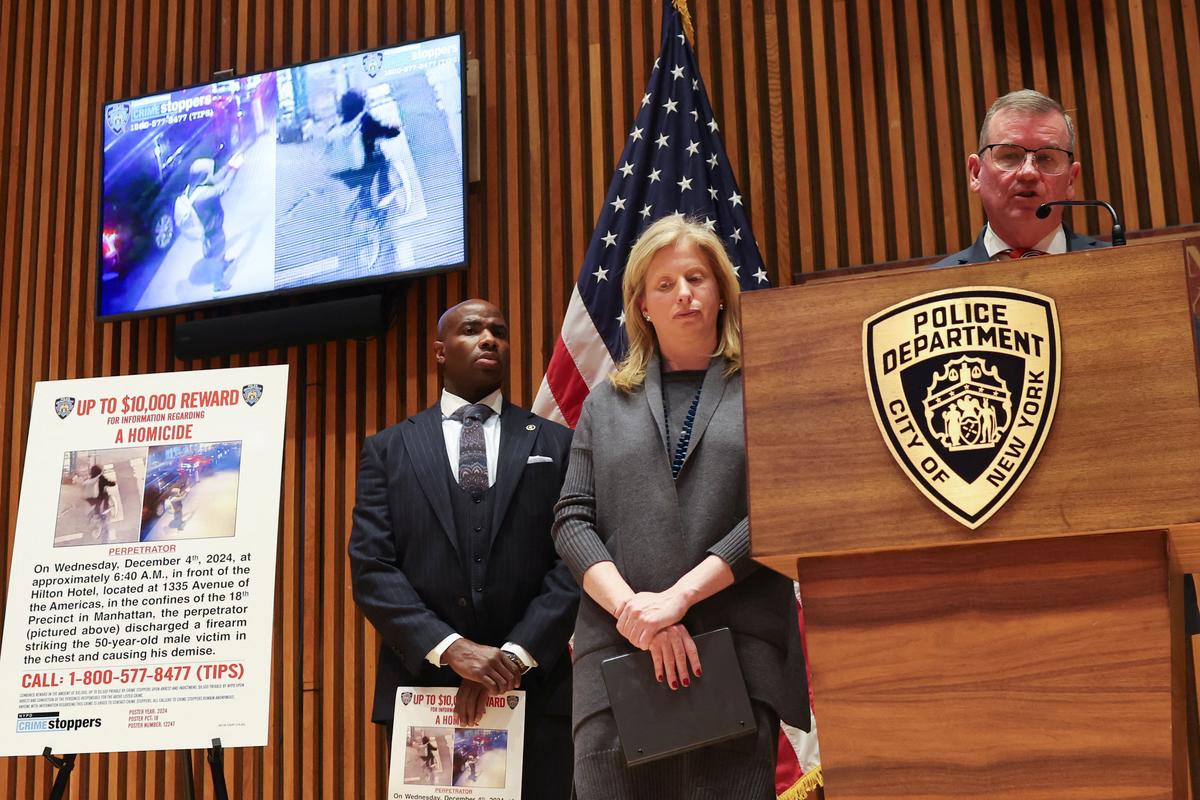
963,383
117,117
372,63
63,406
252,393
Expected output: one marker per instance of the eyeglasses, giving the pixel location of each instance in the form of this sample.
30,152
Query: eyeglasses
1048,160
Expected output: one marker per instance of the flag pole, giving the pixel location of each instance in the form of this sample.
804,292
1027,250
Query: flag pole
686,17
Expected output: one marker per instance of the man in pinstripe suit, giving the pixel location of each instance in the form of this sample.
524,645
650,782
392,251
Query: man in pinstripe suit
451,553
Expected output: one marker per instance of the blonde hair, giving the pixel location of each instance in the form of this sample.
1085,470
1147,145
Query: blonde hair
1032,103
643,342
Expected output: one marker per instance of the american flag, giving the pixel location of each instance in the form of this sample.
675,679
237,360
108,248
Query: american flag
673,163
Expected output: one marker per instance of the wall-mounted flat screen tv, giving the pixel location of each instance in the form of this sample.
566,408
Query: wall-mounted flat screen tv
345,170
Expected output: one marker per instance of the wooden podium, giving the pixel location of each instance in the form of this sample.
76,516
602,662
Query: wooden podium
1040,655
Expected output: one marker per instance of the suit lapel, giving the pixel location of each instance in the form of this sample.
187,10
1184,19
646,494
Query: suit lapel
431,462
711,392
652,390
978,253
516,443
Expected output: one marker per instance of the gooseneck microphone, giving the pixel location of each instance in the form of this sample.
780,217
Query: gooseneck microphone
1118,232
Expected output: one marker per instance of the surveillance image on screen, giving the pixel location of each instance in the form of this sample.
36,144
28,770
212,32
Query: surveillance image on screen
341,170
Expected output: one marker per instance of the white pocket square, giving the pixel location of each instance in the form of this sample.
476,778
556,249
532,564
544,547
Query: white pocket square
540,460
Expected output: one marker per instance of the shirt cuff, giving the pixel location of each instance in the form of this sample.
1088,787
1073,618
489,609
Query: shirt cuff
434,656
521,653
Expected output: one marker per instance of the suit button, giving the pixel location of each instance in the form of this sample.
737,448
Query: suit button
462,602
478,499
478,528
479,588
478,559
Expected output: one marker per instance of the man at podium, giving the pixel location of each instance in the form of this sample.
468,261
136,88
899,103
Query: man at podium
1026,157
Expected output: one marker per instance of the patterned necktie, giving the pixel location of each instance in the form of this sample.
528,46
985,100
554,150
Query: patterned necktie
1018,252
472,449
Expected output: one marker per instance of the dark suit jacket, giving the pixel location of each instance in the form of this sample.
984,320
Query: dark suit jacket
977,253
413,584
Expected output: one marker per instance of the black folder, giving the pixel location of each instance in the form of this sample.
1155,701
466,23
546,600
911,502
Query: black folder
654,722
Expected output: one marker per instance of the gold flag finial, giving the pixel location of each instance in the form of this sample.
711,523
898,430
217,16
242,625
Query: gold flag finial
688,31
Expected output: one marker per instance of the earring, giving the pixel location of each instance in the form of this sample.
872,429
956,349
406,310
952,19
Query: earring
721,307
645,316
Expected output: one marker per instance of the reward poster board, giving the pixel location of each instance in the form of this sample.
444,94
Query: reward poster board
142,585
433,756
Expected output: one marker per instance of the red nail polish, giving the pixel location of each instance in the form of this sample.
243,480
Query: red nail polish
658,678
698,672
686,682
674,685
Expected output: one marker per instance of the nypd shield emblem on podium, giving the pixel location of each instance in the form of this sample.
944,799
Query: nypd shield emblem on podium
964,383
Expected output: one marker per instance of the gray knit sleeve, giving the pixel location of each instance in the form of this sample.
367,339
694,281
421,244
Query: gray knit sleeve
734,550
575,536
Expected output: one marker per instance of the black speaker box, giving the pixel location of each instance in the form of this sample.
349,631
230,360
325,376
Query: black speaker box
351,318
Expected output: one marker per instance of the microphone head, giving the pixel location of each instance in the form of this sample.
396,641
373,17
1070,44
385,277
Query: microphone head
1042,211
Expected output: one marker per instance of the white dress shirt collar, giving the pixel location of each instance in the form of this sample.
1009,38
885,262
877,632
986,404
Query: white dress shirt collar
451,402
1054,244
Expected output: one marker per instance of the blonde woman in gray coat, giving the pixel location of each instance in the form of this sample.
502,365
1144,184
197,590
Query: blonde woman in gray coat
652,522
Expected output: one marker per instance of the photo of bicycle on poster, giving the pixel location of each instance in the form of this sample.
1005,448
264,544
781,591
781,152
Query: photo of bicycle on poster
98,497
150,494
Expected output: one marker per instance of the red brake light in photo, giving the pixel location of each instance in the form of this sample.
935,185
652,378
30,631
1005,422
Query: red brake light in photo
108,242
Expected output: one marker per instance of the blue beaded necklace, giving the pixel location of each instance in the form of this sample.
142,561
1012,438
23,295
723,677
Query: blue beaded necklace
685,435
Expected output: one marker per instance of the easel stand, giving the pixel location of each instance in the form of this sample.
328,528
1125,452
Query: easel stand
64,766
216,765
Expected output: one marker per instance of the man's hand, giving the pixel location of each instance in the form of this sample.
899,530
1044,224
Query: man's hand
646,613
484,665
673,651
471,702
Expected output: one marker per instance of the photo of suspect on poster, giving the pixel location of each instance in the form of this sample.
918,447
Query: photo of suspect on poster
160,493
141,592
435,756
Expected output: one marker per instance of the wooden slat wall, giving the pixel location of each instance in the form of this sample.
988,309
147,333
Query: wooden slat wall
847,123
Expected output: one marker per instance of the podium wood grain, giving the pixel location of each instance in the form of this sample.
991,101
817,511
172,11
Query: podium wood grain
1032,669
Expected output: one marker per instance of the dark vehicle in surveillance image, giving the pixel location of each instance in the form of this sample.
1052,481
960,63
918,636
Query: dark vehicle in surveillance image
191,491
151,147
159,485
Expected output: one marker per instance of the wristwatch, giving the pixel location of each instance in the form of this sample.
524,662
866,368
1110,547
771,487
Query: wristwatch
513,657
